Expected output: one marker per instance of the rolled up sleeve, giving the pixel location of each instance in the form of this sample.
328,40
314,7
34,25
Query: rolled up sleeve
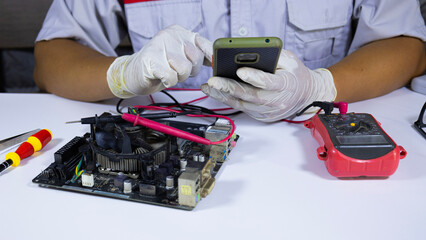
377,19
98,24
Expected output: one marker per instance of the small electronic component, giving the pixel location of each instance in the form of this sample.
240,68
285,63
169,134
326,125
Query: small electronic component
127,186
119,180
87,180
120,160
170,182
147,189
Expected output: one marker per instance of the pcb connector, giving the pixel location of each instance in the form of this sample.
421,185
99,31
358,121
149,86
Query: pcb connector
189,188
87,180
220,130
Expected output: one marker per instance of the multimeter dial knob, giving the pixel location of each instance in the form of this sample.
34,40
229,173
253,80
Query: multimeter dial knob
352,126
361,127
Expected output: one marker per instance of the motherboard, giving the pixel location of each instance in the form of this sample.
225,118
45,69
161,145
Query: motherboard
136,163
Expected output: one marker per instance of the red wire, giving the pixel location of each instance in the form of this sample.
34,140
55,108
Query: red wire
182,89
185,103
195,100
169,108
221,109
194,115
152,99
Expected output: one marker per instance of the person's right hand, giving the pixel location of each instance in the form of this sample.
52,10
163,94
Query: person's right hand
171,56
271,97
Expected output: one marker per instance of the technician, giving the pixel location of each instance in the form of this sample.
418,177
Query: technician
343,50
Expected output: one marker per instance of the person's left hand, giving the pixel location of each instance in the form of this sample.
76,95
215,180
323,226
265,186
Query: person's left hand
270,97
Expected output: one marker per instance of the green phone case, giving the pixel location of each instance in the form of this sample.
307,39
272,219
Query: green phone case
229,54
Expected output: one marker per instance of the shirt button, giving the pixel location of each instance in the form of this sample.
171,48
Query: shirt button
243,31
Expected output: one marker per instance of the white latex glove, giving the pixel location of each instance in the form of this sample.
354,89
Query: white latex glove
171,56
270,97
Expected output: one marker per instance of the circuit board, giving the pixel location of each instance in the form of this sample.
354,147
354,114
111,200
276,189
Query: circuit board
136,163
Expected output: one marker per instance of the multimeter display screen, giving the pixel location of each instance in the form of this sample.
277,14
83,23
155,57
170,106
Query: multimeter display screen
362,139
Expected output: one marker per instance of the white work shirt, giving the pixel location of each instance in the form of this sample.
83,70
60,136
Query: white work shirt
319,32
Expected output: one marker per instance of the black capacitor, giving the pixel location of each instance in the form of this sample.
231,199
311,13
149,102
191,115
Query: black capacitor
119,180
168,166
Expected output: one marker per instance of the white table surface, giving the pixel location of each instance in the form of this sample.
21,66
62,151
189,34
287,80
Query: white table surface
272,186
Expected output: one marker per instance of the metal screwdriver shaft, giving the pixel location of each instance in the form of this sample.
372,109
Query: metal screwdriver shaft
5,165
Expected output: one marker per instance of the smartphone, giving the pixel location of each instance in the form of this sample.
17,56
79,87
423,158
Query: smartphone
229,54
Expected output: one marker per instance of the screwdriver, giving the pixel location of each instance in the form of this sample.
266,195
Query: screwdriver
33,144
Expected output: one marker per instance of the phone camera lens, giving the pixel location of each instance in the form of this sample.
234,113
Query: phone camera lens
267,40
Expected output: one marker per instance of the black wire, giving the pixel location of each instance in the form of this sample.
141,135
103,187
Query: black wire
117,107
174,99
183,108
232,114
187,108
195,107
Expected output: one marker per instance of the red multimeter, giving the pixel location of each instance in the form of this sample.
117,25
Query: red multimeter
354,145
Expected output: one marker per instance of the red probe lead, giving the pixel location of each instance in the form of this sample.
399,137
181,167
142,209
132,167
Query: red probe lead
34,143
136,120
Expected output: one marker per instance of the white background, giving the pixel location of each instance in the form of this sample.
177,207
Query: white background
272,186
